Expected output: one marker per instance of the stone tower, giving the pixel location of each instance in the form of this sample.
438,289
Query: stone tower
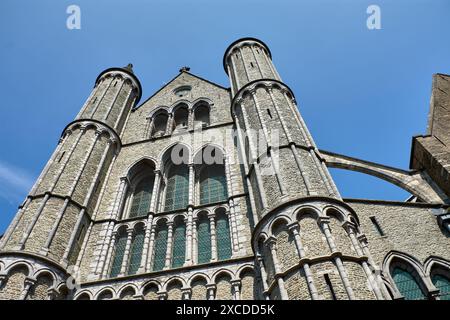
286,238
52,222
115,214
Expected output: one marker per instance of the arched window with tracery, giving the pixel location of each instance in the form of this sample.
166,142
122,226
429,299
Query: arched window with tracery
203,239
137,245
224,250
179,243
407,284
160,245
119,251
201,116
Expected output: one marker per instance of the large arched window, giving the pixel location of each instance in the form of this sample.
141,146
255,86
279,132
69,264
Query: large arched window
177,189
179,243
203,239
119,251
223,235
137,246
442,283
407,284
213,184
141,198
159,125
201,116
159,258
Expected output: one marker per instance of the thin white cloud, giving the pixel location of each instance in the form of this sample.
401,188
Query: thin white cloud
14,182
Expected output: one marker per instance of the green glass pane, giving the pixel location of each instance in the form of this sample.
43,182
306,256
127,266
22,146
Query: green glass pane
223,238
443,284
159,258
141,198
119,251
204,241
179,246
407,285
177,190
212,185
136,252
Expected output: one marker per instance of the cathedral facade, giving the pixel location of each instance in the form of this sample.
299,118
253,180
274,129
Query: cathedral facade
203,192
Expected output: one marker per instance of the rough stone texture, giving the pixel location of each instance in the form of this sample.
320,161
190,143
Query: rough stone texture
92,189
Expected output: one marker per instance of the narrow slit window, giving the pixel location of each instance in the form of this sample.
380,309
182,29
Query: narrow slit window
377,226
62,156
330,286
252,65
269,113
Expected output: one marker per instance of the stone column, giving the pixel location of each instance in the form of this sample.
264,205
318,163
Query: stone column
212,228
189,228
104,265
145,248
262,270
294,229
236,289
340,266
150,249
272,243
169,244
27,285
169,125
186,293
126,255
155,192
211,290
194,241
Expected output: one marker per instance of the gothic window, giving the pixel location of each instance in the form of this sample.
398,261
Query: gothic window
203,239
213,185
177,189
201,116
137,245
181,118
159,125
141,198
179,243
159,258
119,251
443,284
223,236
407,284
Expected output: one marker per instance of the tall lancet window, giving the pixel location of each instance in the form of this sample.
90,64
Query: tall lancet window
203,239
159,258
137,245
179,243
141,177
119,251
142,197
211,180
223,235
177,190
159,124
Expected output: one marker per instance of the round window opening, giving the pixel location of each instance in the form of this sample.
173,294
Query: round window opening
182,91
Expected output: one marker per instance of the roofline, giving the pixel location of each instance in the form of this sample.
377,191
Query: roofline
171,80
240,40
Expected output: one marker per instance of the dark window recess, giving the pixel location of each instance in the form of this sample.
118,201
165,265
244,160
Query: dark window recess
269,113
115,82
94,100
329,285
251,64
377,226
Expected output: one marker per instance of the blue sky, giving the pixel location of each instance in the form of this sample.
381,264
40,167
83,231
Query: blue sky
362,92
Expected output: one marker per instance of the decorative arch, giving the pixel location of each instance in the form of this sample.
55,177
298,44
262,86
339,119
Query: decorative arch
106,294
83,295
406,275
128,292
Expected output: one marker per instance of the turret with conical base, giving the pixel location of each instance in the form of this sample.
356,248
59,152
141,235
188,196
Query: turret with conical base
307,242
